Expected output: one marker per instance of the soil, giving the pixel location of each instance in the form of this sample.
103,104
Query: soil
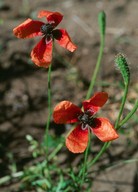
23,86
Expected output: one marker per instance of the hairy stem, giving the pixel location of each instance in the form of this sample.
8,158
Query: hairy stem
98,63
122,105
49,109
84,168
129,115
105,146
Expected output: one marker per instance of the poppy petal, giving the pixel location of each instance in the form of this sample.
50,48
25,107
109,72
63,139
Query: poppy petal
104,130
52,17
94,103
66,112
41,55
64,40
77,140
28,29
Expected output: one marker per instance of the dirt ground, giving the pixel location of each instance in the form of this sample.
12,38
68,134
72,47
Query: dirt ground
23,86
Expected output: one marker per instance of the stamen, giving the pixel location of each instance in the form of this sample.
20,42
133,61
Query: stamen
85,126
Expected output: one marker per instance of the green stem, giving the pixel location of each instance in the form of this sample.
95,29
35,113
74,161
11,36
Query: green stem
57,149
129,115
105,146
97,67
83,170
122,105
49,109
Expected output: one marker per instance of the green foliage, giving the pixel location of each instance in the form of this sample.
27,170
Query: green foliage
34,147
53,141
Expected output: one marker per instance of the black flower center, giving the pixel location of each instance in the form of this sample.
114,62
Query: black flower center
47,29
86,120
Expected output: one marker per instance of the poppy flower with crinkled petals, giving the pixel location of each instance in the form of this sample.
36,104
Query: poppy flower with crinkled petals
41,55
77,140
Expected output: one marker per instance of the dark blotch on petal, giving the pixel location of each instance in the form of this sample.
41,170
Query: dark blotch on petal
57,34
96,123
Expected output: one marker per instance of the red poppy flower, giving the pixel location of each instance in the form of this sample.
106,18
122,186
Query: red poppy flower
41,55
77,140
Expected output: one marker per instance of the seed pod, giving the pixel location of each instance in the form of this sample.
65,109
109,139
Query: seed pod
122,64
102,22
